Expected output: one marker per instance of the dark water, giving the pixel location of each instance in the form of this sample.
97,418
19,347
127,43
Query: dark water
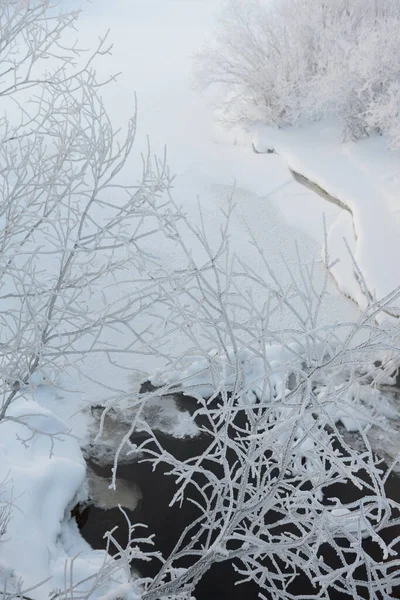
164,521
167,523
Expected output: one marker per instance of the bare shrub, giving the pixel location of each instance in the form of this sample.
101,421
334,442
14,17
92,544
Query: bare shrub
72,233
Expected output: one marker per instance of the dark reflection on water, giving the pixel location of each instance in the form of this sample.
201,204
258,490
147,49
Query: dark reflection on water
167,523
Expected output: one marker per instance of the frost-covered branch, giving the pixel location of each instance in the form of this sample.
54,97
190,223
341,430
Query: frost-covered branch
68,225
74,241
275,404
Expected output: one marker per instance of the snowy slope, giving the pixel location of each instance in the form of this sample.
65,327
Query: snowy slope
365,177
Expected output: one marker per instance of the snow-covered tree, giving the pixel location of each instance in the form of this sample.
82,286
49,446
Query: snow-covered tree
72,234
68,225
271,398
288,488
287,61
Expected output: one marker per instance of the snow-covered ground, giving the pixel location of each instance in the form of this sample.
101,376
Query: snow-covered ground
43,475
153,45
365,177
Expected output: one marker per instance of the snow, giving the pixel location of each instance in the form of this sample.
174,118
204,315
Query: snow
47,481
162,415
365,177
44,471
200,375
267,380
207,160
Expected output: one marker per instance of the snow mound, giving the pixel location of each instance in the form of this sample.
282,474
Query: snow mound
43,475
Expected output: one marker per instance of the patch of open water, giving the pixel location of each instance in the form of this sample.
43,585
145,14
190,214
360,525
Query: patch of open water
146,495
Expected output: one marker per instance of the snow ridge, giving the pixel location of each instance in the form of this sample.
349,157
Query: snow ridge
363,176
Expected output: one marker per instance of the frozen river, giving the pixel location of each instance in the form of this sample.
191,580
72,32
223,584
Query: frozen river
154,45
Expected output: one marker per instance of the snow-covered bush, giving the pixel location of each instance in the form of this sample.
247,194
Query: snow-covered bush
285,61
280,490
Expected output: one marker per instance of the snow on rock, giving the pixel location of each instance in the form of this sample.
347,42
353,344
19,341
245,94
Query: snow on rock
271,377
365,177
162,414
43,472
